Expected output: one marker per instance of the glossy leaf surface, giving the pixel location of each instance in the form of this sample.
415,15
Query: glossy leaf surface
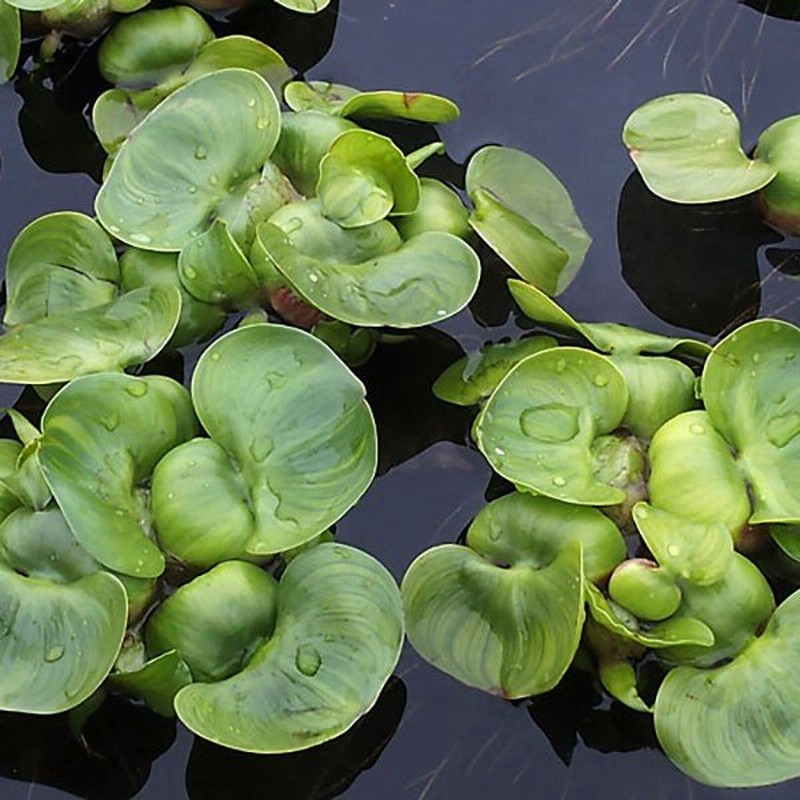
734,726
337,638
523,212
62,620
62,262
345,101
180,164
473,378
126,332
367,276
101,437
687,148
292,447
778,200
538,428
157,681
509,630
751,388
10,38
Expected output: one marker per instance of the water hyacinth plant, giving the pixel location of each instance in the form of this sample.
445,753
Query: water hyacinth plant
687,147
117,482
573,429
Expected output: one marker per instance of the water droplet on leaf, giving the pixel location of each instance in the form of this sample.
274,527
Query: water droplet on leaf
308,660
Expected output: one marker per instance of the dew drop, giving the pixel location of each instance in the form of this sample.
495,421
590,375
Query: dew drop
110,421
54,654
251,103
600,381
213,179
200,153
141,238
262,123
190,273
561,365
308,660
192,190
697,428
673,550
499,451
137,389
782,429
559,480
440,312
756,358
261,447
552,422
313,277
214,356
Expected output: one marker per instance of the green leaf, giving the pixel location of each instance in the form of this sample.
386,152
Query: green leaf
439,209
647,591
10,38
62,262
473,378
304,140
292,448
787,537
778,200
345,101
687,148
304,6
522,528
116,113
668,633
337,638
198,320
34,5
363,177
523,212
9,454
368,276
698,552
195,621
538,428
734,726
213,269
751,388
608,337
660,389
102,436
243,52
693,473
147,49
510,630
62,621
126,332
178,166
735,608
157,681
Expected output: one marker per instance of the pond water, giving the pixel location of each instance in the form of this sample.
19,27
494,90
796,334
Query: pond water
556,78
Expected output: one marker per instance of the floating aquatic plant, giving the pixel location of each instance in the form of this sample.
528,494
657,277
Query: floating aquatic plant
687,148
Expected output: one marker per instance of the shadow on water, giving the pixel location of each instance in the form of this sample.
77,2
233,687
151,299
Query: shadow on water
317,774
120,743
782,9
694,266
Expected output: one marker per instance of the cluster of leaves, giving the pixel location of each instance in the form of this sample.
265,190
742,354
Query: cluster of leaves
125,538
627,442
688,149
85,19
117,484
228,204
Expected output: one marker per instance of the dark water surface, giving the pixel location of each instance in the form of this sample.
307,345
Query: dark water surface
556,78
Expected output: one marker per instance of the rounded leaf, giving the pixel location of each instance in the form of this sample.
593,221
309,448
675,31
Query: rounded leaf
439,209
304,6
524,213
641,587
10,40
779,201
509,630
525,529
62,262
182,161
363,177
156,681
116,113
126,332
687,148
338,636
101,437
367,276
61,621
538,428
143,50
293,446
196,621
751,388
734,726
345,101
473,378
693,473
